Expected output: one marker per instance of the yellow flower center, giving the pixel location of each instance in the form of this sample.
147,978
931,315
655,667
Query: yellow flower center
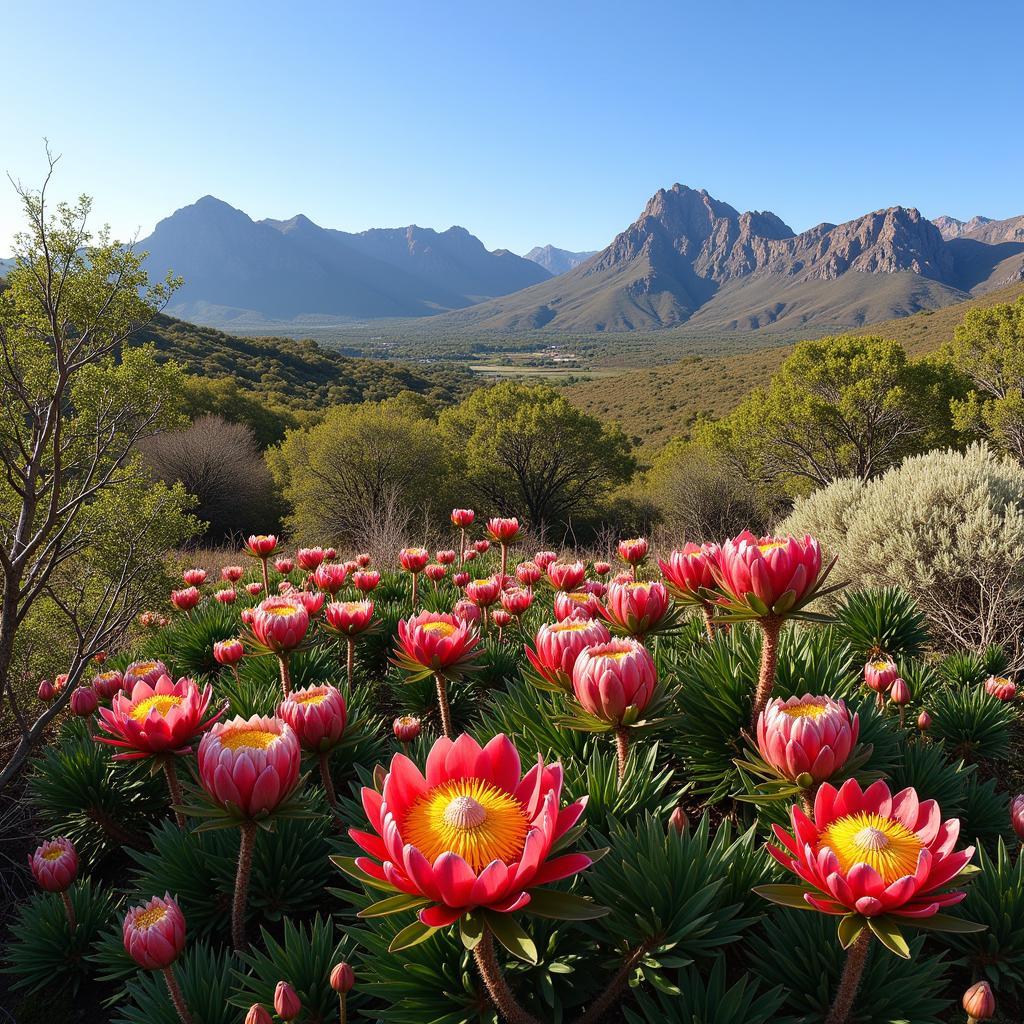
309,698
143,668
771,545
163,702
150,917
881,664
444,628
614,655
53,853
354,606
813,710
468,817
570,627
884,844
281,609
580,597
247,739
406,720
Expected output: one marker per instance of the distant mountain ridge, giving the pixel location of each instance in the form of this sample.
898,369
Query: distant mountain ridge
237,268
982,229
557,261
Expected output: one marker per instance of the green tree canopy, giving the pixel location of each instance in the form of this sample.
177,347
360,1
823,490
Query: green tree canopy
989,347
527,451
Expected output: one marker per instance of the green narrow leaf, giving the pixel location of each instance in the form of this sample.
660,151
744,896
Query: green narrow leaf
393,905
946,923
850,928
411,935
887,932
784,895
511,935
353,870
562,906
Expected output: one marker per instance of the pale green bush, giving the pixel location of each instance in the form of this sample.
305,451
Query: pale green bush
948,527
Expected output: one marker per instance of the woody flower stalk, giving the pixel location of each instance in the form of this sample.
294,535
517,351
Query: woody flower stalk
262,546
154,937
503,532
349,619
279,625
689,578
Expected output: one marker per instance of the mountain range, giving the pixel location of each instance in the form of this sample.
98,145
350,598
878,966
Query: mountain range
557,261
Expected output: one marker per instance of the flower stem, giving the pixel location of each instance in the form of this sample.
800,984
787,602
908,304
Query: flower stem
709,620
69,909
807,802
342,1009
497,987
442,703
176,995
600,1006
462,547
286,674
504,562
855,958
351,660
770,627
325,774
175,789
245,850
622,749
415,582
266,578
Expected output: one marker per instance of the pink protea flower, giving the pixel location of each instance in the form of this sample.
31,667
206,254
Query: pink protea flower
330,577
154,933
446,557
432,642
156,720
54,865
613,679
466,611
106,684
330,554
688,571
247,615
84,702
194,577
1001,688
413,559
595,587
185,600
463,517
261,545
558,645
435,572
284,565
566,575
366,580
349,617
481,547
500,618
226,596
280,623
806,739
633,551
250,767
228,652
516,601
363,559
576,604
254,589
317,715
636,608
468,555
311,600
47,691
769,576
870,852
483,592
544,559
232,573
503,531
406,728
1017,816
309,558
602,568
879,674
470,833
528,573
287,1004
144,672
460,579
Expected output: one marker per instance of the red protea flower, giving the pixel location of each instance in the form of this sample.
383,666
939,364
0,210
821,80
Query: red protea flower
155,720
413,559
309,558
528,573
232,573
614,681
194,577
330,577
483,592
880,674
595,587
228,652
366,580
637,608
144,672
311,600
602,568
84,702
446,557
1000,687
435,572
466,611
261,545
468,555
330,554
576,604
280,623
471,833
226,596
284,565
154,933
460,579
566,575
806,739
558,645
1017,816
185,600
503,531
481,547
871,853
287,1004
633,551
106,684
254,589
47,691
249,767
516,601
545,558
349,618
54,865
463,517
343,979
432,643
688,571
317,715
363,559
500,618
406,728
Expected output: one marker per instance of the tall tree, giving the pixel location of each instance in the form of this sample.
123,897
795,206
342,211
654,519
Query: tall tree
82,528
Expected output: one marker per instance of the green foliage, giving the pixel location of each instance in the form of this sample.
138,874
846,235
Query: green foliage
43,952
973,724
186,645
529,715
925,767
419,697
801,952
525,450
881,620
711,1001
985,819
962,669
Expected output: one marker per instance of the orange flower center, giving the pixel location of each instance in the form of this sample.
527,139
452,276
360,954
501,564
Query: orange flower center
570,627
811,710
771,545
247,738
53,853
144,668
309,698
162,702
444,628
884,844
150,916
281,609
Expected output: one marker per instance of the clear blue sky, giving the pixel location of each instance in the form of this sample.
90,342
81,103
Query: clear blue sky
526,122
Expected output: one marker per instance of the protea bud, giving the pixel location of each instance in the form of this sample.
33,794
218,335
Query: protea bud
678,822
481,547
500,618
254,589
258,1014
460,579
231,573
446,557
528,573
1017,816
406,728
435,572
544,559
899,692
226,596
194,577
924,721
185,600
342,979
363,559
602,568
84,702
284,565
979,1003
228,652
47,691
287,1004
